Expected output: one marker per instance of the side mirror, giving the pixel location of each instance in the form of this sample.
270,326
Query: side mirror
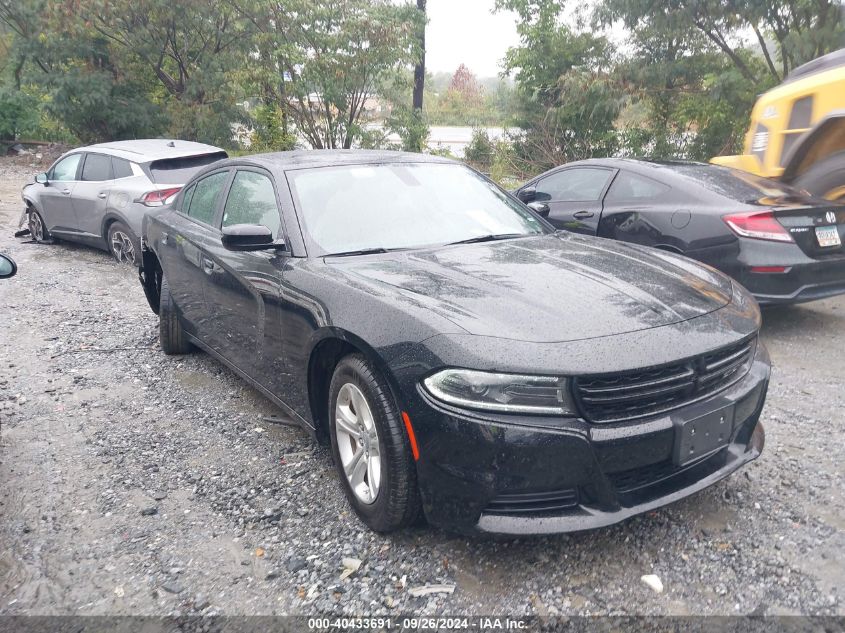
527,194
41,179
540,208
8,267
249,237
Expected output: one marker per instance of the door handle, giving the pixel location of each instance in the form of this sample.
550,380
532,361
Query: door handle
66,192
580,215
102,195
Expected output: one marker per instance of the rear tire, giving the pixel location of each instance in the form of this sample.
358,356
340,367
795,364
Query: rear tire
37,228
123,245
396,503
825,179
171,335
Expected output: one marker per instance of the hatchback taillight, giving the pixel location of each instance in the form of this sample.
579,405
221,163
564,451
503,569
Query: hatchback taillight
759,225
159,197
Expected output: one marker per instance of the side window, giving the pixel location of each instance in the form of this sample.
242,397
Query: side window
186,198
628,186
577,184
252,200
203,201
65,169
97,168
121,168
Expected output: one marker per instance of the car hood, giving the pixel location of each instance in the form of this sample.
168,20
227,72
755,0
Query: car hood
547,288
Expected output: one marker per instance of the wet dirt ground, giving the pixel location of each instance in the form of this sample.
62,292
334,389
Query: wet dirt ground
135,483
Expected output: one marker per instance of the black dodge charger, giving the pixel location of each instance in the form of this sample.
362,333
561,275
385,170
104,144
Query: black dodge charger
780,243
465,361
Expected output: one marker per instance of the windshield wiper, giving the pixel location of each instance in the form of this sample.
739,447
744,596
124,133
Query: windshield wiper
364,251
489,238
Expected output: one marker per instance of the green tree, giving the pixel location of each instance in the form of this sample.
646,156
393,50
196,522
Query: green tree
323,59
568,98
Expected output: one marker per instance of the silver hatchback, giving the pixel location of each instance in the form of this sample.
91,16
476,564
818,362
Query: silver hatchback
97,195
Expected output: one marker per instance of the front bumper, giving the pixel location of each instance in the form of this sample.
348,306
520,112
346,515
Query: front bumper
525,475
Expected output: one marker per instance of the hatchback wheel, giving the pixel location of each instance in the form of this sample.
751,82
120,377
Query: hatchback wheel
371,450
37,229
123,245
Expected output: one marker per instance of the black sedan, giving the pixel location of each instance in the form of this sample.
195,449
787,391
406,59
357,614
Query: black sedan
464,359
781,244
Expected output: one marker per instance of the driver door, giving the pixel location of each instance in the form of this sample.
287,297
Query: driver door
574,197
57,196
243,288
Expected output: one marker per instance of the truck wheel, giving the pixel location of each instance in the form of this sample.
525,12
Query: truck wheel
825,179
171,335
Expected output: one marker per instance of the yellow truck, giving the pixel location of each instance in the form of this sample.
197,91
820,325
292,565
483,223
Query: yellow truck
797,132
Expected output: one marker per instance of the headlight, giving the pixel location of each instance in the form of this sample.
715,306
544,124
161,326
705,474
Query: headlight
505,393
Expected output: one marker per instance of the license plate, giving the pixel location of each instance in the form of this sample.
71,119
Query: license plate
828,236
698,437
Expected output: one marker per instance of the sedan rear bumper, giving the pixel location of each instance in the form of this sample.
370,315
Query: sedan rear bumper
518,478
804,278
800,283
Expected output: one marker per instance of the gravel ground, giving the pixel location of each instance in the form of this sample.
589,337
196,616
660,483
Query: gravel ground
136,483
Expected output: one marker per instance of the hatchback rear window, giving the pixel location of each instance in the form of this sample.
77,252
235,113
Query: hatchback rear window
176,171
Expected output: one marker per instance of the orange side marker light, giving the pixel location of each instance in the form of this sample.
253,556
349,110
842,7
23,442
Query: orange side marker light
415,451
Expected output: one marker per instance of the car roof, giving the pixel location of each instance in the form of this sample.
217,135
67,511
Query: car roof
147,150
300,159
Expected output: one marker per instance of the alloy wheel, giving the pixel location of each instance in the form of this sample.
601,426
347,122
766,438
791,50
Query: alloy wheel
357,443
122,248
36,227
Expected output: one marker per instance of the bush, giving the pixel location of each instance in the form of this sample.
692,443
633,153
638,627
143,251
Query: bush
479,152
20,114
270,132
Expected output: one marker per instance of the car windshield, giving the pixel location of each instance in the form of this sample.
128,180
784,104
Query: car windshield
403,205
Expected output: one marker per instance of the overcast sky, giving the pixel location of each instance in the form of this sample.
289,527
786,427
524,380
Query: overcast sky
465,32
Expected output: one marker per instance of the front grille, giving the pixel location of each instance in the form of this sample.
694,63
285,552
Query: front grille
533,502
641,393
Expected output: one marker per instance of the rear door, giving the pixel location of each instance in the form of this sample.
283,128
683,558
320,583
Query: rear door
55,198
91,194
244,288
181,250
574,196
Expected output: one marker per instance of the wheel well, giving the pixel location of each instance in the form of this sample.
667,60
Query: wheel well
324,358
670,249
150,274
827,138
106,224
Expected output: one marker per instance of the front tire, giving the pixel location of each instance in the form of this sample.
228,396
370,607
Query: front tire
171,334
123,245
371,451
825,179
37,228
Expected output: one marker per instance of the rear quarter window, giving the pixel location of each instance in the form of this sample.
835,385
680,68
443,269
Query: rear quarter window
121,168
177,171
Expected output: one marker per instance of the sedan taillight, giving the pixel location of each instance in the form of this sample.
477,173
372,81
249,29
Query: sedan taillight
759,225
159,197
